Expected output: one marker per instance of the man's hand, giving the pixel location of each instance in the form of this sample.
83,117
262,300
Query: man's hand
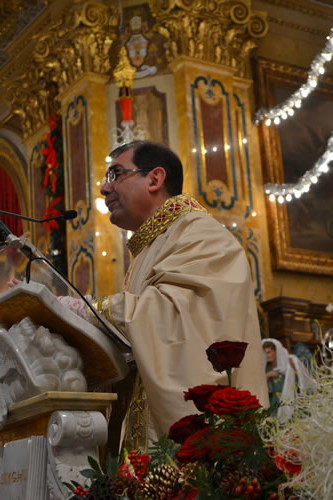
13,283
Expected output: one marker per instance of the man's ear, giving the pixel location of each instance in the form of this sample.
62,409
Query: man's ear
156,179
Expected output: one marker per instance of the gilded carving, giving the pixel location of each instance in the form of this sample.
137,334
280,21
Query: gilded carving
77,42
7,17
220,32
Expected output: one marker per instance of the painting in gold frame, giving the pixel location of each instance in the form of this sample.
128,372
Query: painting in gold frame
301,232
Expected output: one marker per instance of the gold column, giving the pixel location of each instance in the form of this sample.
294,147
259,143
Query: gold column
94,246
65,66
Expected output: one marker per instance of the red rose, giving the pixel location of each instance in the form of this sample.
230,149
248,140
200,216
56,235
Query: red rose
233,442
230,401
226,355
186,426
195,447
200,394
207,444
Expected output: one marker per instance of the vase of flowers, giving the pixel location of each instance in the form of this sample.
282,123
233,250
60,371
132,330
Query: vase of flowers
217,453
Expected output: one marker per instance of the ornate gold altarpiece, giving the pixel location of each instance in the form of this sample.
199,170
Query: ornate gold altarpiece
64,63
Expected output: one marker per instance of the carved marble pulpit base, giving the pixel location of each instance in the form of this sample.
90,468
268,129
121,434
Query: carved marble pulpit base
47,440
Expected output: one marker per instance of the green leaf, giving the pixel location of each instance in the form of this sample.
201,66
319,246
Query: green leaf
71,487
111,465
89,473
162,450
95,466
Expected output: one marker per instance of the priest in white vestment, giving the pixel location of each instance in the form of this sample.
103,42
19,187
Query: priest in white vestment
188,286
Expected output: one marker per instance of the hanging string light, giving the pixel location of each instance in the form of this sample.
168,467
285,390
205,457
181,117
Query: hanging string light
288,192
287,109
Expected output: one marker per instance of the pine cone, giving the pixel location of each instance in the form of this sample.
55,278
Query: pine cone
161,483
188,472
133,487
125,487
100,489
119,485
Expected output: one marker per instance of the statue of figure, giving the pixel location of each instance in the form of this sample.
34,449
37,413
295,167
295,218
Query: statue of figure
286,376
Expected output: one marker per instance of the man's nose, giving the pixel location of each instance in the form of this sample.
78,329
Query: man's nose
107,187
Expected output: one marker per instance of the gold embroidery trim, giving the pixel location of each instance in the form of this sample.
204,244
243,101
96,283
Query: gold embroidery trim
159,222
103,307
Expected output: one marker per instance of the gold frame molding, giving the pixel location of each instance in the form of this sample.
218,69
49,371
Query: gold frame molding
270,78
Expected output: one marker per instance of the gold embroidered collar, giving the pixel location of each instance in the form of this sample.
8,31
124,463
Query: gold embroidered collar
164,216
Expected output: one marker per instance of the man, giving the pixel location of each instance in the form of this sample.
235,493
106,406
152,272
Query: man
188,286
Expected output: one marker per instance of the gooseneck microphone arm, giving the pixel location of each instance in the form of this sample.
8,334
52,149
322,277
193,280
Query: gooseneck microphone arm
68,214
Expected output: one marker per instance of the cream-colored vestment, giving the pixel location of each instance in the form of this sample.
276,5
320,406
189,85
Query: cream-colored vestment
186,288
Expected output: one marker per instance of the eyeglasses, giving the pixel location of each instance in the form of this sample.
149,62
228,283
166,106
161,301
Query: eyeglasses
113,173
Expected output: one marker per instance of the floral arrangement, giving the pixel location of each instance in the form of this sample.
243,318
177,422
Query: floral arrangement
53,186
218,453
306,441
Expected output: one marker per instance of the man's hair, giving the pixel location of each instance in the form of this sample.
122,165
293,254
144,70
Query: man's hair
148,155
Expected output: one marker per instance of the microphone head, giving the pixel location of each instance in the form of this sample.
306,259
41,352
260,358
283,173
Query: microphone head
70,214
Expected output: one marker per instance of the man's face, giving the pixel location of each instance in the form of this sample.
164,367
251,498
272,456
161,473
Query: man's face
127,196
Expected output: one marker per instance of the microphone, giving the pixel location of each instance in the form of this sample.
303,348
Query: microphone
68,214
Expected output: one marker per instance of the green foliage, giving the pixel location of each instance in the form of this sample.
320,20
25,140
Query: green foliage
162,451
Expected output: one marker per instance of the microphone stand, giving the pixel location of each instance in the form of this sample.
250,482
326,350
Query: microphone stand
69,214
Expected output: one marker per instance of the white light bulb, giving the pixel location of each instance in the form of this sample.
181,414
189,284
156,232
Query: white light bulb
297,193
271,197
244,141
108,159
97,233
268,122
214,149
314,179
104,253
194,150
298,103
291,112
254,213
289,197
280,199
234,224
277,120
306,188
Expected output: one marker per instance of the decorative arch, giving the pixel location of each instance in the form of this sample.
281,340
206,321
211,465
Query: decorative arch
13,178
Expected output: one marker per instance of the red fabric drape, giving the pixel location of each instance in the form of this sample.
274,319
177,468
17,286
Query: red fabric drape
10,203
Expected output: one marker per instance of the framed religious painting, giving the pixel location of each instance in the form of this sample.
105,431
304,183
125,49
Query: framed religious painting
301,231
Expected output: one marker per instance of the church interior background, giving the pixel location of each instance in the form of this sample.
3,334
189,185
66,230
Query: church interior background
202,77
